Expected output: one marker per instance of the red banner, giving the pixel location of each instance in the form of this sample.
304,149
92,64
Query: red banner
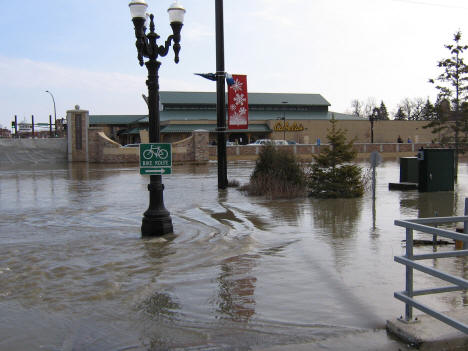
238,103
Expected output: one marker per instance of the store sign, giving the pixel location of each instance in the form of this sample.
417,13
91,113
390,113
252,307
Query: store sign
293,127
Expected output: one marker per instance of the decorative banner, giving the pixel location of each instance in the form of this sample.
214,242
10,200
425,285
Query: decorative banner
238,103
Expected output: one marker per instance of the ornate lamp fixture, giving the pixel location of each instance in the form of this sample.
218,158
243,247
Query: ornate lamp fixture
156,220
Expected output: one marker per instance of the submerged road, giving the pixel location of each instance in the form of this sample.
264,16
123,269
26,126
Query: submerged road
240,273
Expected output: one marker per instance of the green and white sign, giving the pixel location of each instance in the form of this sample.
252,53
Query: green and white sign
155,158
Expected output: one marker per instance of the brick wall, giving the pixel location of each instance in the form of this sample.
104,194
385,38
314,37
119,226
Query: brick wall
305,151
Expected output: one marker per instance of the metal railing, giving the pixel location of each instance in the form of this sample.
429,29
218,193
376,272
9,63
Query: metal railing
428,225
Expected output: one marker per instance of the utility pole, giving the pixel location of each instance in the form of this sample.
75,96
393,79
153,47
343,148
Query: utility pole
220,100
32,126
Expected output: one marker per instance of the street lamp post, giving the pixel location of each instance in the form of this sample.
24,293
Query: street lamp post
284,121
156,220
373,117
55,111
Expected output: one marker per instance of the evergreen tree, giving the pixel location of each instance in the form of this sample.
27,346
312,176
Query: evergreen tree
454,87
331,176
400,115
383,113
428,111
438,124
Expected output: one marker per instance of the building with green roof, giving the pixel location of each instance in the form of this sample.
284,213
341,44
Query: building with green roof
183,112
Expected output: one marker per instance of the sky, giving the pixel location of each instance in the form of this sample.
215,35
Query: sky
83,51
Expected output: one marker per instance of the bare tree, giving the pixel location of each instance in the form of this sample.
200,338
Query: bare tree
357,107
418,109
369,107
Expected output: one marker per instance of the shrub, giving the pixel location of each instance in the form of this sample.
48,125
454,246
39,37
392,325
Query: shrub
233,183
277,174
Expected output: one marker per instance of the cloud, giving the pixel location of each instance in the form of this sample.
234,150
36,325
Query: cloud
25,82
198,32
28,74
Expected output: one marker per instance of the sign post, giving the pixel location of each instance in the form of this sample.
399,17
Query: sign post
156,158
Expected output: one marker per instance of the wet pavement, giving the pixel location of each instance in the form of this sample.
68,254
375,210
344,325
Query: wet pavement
240,273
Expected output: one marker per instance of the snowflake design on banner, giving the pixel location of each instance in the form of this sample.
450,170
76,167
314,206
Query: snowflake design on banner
233,107
237,86
240,99
242,111
237,119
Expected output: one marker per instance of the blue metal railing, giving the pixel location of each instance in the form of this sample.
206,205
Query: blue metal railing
427,225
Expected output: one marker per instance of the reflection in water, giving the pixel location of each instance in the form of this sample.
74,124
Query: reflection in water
289,211
78,171
440,204
237,287
336,217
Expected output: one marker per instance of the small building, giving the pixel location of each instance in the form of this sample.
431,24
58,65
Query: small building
271,116
5,133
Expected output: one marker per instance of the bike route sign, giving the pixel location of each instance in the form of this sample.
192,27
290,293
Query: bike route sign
155,158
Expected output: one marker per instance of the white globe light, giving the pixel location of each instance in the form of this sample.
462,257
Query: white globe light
138,8
176,13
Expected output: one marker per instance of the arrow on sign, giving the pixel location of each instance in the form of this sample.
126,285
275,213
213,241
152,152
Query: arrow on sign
162,171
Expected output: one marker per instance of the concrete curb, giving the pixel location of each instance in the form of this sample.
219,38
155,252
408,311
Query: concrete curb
429,334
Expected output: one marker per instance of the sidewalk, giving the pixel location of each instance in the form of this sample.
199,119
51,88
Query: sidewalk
366,340
431,334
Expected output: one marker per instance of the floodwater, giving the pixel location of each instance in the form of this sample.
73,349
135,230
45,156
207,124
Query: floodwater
240,273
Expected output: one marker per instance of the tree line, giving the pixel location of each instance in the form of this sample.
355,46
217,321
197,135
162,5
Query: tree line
417,109
452,97
448,115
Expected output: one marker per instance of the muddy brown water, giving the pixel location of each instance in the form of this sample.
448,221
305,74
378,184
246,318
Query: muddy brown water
240,273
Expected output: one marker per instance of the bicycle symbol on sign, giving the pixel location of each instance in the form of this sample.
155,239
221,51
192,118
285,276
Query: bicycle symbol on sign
155,151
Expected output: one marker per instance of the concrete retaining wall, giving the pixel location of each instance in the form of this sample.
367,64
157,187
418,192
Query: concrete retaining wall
104,150
58,145
32,151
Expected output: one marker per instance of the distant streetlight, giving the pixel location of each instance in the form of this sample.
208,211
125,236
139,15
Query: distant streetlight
373,117
156,220
55,111
284,121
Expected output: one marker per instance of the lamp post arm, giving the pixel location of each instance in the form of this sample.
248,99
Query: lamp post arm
175,37
164,49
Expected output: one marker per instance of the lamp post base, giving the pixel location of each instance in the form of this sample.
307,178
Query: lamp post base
157,220
156,226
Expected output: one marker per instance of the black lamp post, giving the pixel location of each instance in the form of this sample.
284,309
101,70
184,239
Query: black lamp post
373,117
156,220
55,112
284,121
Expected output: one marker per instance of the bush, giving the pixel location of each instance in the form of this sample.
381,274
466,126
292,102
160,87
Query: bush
277,174
233,183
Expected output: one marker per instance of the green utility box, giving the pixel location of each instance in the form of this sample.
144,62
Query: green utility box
409,170
436,170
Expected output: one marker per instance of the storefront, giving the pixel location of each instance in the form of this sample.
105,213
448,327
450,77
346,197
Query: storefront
271,116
